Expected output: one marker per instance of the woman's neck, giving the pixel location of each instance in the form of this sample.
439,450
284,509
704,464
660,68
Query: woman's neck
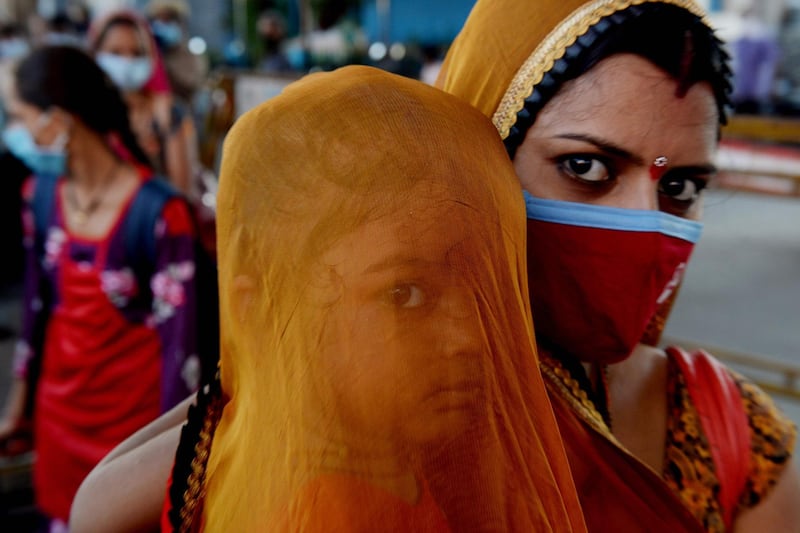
92,163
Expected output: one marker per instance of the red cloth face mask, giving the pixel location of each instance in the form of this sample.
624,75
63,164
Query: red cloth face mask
597,274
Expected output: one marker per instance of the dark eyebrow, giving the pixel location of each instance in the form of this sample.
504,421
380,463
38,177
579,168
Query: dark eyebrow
605,146
613,149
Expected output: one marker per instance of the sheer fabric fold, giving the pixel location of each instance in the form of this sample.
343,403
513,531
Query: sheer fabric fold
378,361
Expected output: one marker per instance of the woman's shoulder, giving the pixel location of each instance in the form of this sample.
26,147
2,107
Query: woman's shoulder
177,217
155,199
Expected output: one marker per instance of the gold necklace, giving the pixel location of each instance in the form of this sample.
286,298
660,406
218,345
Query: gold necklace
82,213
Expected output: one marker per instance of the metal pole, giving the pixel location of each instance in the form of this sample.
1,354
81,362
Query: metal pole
384,12
240,19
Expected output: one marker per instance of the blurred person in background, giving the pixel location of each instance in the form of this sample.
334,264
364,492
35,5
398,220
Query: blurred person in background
13,46
271,28
756,56
789,69
13,42
123,46
611,113
187,71
61,29
108,308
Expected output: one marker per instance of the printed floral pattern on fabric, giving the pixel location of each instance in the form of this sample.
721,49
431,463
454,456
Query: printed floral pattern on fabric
168,289
23,353
689,468
688,465
119,285
53,246
191,372
773,441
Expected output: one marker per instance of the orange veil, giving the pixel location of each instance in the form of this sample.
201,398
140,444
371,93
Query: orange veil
378,363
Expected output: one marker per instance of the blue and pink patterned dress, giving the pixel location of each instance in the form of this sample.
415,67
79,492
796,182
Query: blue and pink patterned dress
106,355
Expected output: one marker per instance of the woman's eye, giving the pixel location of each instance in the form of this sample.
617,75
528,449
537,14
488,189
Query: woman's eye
406,296
585,168
680,188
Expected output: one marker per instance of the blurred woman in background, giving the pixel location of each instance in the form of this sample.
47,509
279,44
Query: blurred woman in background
123,46
108,327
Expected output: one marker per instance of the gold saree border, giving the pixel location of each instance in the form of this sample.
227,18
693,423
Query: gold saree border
553,47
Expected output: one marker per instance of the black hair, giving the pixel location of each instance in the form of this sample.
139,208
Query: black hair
9,30
67,77
670,37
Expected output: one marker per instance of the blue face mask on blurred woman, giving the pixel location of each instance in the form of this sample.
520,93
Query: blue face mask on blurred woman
169,34
127,73
13,48
50,160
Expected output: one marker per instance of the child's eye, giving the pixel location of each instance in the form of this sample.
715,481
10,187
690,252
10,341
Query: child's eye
406,295
585,168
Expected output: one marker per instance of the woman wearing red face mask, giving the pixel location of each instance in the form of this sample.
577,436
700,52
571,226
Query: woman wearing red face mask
610,111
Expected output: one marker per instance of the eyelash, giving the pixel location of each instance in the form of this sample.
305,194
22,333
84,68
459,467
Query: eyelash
699,185
417,291
671,202
562,163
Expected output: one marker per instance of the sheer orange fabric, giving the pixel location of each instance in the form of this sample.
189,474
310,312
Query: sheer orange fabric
377,354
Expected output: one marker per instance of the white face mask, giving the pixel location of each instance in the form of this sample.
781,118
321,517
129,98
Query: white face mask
127,73
50,160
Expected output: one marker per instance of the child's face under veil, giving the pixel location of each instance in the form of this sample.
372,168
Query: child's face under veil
377,349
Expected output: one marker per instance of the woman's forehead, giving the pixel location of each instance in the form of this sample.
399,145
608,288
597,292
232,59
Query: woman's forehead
626,96
123,31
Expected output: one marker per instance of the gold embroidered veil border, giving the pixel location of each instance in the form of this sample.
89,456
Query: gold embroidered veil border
518,43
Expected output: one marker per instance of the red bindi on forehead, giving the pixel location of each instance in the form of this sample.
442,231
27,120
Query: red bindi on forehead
658,167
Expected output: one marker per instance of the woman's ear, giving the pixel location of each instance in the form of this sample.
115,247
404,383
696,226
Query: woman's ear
243,298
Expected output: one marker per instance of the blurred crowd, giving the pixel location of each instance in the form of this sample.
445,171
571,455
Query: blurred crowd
178,91
763,39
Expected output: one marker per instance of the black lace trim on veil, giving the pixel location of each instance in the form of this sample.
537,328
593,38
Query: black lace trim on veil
604,39
187,491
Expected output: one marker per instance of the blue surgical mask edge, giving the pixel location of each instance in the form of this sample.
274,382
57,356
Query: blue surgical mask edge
613,218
